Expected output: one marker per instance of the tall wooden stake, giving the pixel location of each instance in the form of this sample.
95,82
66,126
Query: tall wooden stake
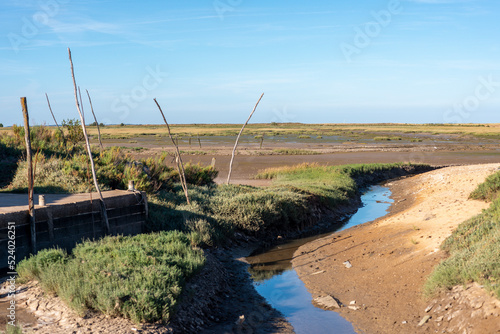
54,117
178,160
87,143
81,103
238,138
31,203
95,119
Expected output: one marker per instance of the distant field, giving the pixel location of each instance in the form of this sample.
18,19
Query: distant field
297,138
296,128
131,131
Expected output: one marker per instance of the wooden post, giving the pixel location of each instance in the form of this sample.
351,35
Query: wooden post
89,151
238,138
178,160
96,123
81,103
31,203
54,117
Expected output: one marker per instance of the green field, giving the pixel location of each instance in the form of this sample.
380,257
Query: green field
299,129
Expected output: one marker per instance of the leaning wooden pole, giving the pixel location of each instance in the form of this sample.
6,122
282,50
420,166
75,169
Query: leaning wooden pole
95,119
54,117
31,203
81,102
89,151
180,165
238,138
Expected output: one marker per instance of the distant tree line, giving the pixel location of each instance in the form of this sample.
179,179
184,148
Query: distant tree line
95,124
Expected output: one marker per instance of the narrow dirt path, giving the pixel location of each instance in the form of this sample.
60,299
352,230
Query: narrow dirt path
390,259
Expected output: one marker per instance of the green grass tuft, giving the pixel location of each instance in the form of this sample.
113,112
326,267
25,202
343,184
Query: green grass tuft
9,329
474,248
218,212
488,190
335,185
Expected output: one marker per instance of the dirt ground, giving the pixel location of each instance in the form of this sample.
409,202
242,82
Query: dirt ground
245,167
377,270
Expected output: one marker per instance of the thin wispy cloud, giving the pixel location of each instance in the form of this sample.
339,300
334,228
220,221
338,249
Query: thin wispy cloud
60,27
12,67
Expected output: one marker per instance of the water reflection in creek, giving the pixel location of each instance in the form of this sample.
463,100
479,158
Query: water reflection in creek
276,281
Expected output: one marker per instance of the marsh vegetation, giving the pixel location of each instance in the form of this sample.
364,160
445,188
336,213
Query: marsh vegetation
474,247
177,232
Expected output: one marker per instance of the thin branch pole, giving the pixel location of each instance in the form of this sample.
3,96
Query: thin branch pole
91,203
54,117
238,138
95,119
31,203
103,205
180,166
81,105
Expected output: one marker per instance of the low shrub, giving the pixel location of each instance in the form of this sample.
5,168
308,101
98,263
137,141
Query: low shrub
287,151
113,169
140,277
256,210
33,267
50,177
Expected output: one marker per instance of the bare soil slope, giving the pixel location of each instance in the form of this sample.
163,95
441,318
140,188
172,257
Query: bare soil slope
392,257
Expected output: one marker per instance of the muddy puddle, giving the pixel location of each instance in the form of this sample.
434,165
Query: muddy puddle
276,281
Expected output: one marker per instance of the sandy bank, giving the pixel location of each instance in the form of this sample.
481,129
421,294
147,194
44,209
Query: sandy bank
392,257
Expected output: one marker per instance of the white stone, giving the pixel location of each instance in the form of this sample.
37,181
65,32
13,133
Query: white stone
347,264
327,302
424,320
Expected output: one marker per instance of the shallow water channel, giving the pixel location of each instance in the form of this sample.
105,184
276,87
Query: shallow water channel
275,279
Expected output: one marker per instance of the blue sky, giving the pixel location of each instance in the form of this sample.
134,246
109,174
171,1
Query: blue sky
418,61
